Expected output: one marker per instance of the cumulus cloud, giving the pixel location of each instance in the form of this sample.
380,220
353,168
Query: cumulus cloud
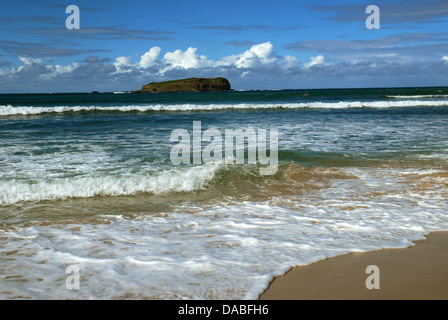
256,55
149,58
123,64
184,60
66,69
315,61
445,58
32,67
29,61
259,56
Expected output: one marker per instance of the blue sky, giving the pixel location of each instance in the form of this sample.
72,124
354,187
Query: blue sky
122,45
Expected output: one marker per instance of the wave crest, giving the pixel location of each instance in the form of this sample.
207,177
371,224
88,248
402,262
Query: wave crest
179,180
8,110
427,96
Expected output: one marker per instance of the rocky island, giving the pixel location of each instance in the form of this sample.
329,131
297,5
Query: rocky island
188,85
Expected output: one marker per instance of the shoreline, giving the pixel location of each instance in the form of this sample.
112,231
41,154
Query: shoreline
419,272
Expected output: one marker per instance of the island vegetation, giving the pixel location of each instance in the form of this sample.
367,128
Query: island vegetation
188,85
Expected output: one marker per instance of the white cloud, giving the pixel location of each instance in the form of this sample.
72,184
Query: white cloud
314,61
256,55
28,62
65,69
259,54
289,62
263,51
54,71
149,58
185,60
123,64
257,63
445,58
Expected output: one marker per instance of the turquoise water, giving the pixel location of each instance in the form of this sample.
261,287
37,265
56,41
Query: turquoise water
87,179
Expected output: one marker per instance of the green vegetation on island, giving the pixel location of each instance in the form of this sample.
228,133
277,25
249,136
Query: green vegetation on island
188,85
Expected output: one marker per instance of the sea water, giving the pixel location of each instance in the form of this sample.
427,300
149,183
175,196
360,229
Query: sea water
86,180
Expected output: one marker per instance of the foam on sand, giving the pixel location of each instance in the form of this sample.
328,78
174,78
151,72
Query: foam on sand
226,251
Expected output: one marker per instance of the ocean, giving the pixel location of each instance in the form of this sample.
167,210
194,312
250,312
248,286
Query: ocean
102,184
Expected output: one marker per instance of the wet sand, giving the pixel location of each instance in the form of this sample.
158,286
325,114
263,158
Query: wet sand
419,272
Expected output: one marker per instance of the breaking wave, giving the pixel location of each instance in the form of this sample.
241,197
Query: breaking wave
7,110
428,96
185,180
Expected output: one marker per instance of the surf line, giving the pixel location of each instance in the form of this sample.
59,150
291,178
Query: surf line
189,147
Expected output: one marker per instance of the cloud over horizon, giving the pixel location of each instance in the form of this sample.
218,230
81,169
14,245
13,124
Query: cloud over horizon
152,67
260,66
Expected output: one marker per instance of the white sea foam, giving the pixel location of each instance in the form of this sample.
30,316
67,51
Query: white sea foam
8,110
421,96
176,180
225,252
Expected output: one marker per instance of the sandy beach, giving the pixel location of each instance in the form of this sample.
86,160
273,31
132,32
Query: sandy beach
419,272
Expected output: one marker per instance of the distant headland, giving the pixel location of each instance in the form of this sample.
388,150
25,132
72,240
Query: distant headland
188,85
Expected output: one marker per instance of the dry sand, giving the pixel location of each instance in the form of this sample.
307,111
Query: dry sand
415,273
